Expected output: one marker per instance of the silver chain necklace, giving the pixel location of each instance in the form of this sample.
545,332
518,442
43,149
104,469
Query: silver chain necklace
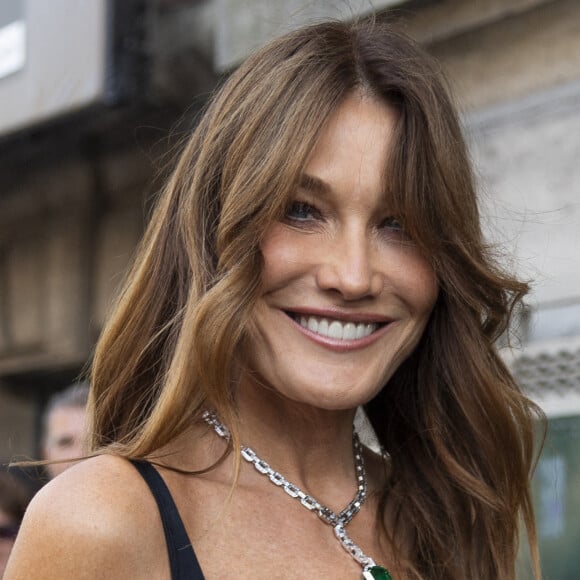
371,571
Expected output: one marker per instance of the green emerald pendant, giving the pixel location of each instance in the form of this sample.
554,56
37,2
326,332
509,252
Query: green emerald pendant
377,573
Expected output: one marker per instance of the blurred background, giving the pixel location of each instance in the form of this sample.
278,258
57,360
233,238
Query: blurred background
95,95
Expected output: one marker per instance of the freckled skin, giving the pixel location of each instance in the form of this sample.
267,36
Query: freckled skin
339,249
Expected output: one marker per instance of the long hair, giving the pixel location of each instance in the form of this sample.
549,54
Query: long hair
458,430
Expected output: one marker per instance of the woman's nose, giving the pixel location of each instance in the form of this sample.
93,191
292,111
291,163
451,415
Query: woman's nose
348,267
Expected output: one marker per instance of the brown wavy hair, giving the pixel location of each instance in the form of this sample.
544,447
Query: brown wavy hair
459,431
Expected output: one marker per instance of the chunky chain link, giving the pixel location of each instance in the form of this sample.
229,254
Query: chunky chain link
352,548
337,521
309,502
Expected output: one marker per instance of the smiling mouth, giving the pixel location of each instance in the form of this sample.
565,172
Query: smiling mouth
335,329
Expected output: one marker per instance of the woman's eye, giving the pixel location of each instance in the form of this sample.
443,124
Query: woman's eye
392,223
301,211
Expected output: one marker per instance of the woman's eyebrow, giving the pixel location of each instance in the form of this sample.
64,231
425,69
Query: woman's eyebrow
313,184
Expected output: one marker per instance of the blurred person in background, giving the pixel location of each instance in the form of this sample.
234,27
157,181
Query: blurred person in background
64,426
14,497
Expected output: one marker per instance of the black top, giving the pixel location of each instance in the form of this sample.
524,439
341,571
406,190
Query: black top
182,559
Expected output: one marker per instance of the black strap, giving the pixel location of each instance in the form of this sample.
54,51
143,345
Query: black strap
182,558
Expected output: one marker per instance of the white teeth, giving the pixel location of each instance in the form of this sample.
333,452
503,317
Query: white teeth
336,329
349,331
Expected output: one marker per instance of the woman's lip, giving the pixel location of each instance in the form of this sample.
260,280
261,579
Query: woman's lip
336,344
341,315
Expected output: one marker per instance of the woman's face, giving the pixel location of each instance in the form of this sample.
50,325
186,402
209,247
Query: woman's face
346,295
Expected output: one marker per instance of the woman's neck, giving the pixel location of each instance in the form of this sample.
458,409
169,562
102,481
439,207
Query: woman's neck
310,447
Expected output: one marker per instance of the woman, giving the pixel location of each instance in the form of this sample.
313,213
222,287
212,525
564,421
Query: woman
317,249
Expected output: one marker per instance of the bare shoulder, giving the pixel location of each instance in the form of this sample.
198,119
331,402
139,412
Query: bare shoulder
93,521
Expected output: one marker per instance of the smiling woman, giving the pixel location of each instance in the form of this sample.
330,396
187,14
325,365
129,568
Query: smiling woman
317,250
345,298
